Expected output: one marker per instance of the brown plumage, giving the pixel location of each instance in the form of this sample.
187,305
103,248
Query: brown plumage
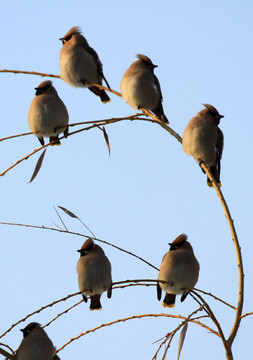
35,345
180,270
141,89
203,139
94,273
80,65
48,116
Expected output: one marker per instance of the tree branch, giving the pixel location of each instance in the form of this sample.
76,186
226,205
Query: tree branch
7,355
82,235
225,342
238,256
131,318
216,298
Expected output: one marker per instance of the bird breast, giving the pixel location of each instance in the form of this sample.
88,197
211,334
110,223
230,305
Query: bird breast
139,90
200,142
77,65
94,274
46,113
180,271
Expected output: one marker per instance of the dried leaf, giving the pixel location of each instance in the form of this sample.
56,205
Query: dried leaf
38,166
107,140
76,217
68,212
181,340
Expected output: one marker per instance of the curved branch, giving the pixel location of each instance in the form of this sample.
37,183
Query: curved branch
63,312
82,235
225,342
238,256
228,343
131,318
246,314
7,355
95,125
39,310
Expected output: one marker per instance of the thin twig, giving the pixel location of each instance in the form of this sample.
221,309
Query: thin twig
60,218
82,235
173,333
131,318
246,314
216,298
29,73
64,299
39,310
62,313
14,136
106,122
211,314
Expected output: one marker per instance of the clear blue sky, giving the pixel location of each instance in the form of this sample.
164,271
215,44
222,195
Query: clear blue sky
147,192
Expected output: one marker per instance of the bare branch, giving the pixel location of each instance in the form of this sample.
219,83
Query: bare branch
38,311
132,318
62,313
246,314
29,73
60,218
238,255
8,347
78,234
75,217
7,355
216,298
14,136
211,314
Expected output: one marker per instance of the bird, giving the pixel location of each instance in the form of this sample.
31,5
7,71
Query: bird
80,65
35,345
204,140
180,270
140,87
48,116
94,273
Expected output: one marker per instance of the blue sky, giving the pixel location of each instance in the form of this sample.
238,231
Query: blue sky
147,192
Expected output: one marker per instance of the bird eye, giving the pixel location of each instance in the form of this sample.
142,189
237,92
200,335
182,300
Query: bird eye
68,38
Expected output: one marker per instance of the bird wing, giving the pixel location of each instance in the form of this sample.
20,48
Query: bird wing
220,143
99,65
157,84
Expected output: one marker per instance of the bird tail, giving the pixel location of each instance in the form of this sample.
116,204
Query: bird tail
160,114
55,140
215,170
95,302
169,300
101,93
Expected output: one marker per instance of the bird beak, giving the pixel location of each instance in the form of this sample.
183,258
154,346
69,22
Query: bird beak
221,116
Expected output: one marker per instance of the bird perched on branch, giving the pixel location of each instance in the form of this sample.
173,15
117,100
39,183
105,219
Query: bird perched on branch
180,270
35,345
94,273
48,116
203,139
141,89
80,65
